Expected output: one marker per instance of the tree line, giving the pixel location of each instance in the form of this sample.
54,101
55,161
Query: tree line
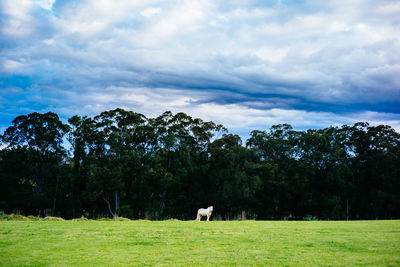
120,163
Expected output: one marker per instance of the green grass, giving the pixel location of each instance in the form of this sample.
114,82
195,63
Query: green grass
189,243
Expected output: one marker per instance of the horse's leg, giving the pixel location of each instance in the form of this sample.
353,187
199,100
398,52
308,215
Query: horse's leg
208,217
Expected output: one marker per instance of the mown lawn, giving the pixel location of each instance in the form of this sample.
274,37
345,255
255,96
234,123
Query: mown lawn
189,243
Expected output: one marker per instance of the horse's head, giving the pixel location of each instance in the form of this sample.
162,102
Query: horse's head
211,208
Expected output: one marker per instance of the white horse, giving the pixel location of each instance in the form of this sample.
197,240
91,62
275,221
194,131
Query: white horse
204,212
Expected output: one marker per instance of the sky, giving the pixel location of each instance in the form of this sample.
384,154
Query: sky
246,64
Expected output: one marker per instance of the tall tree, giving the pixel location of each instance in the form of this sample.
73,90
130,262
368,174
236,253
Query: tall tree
88,148
284,183
376,152
325,153
182,153
40,136
233,176
127,140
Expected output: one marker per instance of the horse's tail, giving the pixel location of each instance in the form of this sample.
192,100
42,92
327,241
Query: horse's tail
198,217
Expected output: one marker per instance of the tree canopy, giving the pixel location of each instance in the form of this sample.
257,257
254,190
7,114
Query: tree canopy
122,163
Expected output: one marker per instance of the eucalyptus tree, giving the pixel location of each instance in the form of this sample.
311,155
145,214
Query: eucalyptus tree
181,157
284,187
88,148
128,140
376,170
279,143
325,152
234,176
38,139
17,183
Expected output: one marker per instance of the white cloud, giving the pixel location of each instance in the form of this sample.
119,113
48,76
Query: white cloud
49,41
391,8
18,22
273,55
149,12
92,17
180,19
46,4
12,67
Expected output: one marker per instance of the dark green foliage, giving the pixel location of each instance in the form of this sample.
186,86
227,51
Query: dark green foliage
121,163
30,166
309,217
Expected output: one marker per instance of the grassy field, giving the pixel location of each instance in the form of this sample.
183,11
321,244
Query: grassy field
188,243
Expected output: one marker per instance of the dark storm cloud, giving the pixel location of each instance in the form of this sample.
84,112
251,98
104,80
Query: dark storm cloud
253,63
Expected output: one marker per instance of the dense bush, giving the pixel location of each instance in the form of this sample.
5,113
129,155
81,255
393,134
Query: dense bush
53,219
13,217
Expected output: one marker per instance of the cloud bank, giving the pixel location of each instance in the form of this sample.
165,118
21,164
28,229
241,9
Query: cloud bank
246,64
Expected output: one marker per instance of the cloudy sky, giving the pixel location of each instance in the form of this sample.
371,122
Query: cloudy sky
247,64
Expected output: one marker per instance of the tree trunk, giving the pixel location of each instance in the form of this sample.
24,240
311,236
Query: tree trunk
109,207
55,197
116,201
243,215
